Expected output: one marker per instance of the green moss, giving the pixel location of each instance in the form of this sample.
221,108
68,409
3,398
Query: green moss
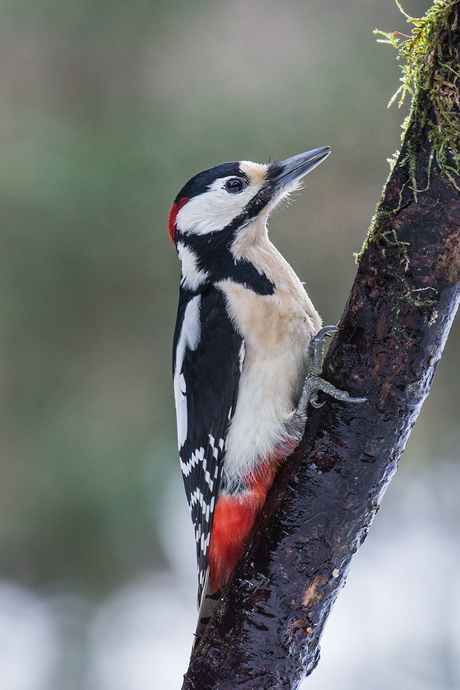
434,88
381,231
433,84
413,49
423,299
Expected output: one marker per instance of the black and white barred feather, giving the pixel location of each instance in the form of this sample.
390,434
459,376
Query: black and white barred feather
206,367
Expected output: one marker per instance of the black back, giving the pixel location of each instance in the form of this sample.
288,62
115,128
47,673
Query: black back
211,374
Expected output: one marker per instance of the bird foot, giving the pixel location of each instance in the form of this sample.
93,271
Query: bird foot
313,381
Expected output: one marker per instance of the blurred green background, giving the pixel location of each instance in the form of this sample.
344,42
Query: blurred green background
106,110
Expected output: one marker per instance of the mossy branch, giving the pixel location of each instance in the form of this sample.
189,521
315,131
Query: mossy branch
265,632
431,74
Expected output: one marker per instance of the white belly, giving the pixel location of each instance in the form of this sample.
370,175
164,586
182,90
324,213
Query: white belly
276,329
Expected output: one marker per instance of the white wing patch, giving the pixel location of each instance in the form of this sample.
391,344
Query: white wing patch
242,355
189,337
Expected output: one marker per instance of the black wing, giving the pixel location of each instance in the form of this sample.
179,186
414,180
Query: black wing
207,364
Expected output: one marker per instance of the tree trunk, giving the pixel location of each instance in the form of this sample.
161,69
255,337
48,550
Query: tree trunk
266,630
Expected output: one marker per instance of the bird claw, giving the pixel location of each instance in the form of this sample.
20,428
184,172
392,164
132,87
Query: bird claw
350,399
314,400
313,381
317,349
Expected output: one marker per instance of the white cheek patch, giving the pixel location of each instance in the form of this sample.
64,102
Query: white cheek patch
214,209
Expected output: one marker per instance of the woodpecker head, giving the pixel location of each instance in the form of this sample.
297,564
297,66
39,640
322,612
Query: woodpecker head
222,209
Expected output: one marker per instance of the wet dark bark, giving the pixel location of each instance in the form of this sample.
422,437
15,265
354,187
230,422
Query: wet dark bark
265,632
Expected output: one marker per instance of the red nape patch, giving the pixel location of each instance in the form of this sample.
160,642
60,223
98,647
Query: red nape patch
175,208
234,517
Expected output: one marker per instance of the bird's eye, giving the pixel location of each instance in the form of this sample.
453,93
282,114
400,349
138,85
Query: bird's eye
235,185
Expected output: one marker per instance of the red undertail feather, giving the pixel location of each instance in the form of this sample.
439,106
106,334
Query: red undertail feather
234,517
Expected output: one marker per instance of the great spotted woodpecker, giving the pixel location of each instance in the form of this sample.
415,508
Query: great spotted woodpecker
246,360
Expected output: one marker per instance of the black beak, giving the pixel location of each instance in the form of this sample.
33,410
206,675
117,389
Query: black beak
281,174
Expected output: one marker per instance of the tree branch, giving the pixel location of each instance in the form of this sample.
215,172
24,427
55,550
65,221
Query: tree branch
266,630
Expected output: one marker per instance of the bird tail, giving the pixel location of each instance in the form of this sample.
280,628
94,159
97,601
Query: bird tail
233,519
209,601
